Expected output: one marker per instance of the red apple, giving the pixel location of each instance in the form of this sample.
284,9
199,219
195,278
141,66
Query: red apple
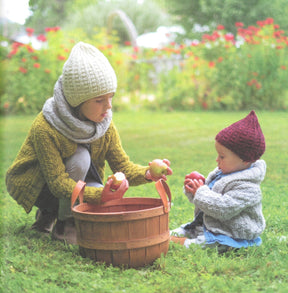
158,168
118,177
195,175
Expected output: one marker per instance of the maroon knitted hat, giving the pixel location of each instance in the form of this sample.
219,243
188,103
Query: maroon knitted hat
244,138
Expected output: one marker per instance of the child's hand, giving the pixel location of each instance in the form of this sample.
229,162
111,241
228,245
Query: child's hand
108,194
191,185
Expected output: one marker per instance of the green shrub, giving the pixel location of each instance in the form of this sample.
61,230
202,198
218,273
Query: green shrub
30,74
222,72
218,73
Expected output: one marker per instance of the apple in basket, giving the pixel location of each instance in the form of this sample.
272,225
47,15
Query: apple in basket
118,177
158,168
195,175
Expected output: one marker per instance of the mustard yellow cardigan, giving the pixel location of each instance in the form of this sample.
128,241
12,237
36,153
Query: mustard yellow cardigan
40,161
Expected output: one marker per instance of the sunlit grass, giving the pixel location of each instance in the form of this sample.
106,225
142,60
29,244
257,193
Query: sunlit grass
31,262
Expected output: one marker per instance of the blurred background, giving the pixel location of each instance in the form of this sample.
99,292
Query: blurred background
168,54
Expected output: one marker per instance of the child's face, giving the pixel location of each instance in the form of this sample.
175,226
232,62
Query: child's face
96,109
228,161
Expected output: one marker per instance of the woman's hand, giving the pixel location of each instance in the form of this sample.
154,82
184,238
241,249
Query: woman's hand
149,176
109,194
191,185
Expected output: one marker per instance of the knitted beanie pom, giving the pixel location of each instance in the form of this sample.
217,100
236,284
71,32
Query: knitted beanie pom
87,74
244,138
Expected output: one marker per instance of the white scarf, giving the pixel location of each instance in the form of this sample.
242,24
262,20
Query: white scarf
60,115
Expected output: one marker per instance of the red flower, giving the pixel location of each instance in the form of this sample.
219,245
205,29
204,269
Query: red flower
251,82
136,49
36,65
278,34
283,67
204,105
258,85
22,69
269,20
30,49
276,26
211,64
127,43
29,31
13,52
215,35
47,71
34,57
61,57
239,24
220,27
229,37
41,38
6,105
52,29
220,59
16,45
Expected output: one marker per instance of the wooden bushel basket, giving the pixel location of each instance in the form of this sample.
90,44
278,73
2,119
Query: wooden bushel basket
130,231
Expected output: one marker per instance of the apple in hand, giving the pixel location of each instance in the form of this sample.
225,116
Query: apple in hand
158,168
118,177
195,175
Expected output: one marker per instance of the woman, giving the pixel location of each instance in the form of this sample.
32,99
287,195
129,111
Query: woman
70,140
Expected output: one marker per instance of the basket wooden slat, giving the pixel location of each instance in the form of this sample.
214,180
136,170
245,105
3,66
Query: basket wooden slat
129,231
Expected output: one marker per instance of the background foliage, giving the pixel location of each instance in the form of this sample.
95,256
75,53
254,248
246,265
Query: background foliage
225,12
87,15
221,72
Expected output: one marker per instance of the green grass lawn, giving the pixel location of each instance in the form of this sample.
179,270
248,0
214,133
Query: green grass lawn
32,262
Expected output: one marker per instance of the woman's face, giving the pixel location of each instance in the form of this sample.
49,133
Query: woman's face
96,109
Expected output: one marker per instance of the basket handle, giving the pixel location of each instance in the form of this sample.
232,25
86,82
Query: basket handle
164,191
78,192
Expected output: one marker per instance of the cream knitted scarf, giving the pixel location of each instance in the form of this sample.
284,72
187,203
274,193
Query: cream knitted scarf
60,115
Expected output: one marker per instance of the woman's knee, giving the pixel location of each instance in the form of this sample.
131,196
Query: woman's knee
77,166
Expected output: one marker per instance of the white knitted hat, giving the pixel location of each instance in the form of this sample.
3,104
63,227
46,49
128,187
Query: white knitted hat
87,74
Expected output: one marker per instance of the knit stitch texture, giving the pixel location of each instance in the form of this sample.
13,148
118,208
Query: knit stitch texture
59,114
233,207
244,138
40,161
87,74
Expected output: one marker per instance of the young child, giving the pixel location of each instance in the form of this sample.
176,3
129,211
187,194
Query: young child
72,139
228,209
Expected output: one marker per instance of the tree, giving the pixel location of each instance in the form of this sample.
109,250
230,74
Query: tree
146,17
88,14
53,12
226,12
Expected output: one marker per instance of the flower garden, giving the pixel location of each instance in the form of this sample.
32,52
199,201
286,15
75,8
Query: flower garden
219,72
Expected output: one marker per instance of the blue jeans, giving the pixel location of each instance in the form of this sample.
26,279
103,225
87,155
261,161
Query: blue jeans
78,166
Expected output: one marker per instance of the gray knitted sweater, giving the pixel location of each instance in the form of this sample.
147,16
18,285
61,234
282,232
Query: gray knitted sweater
233,206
